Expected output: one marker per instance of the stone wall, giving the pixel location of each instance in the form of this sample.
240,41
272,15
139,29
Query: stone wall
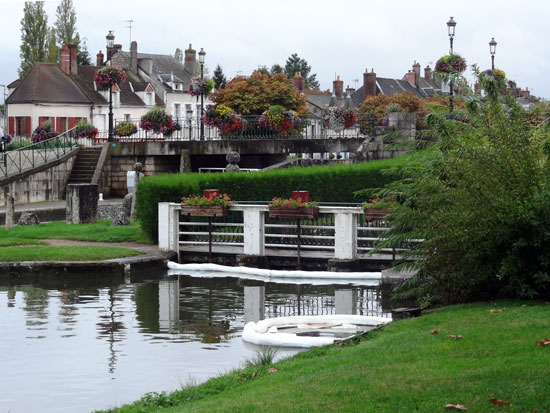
45,183
152,165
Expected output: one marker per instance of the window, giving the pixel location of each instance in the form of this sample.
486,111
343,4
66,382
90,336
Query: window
22,127
199,110
127,117
149,98
177,111
188,110
61,125
101,123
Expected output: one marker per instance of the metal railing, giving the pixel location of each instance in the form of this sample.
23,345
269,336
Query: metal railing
188,129
36,154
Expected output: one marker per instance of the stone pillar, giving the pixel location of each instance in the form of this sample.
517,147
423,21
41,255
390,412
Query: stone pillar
10,210
254,303
345,302
232,159
185,161
82,203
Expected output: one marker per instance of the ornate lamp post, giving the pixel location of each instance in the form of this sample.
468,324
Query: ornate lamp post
451,24
493,50
110,43
202,53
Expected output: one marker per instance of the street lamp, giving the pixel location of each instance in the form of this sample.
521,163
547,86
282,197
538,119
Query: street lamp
451,24
5,119
110,44
493,50
202,53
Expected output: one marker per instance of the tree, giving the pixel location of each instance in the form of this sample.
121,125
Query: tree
53,50
479,202
34,36
65,26
178,55
254,94
219,78
83,56
276,68
296,64
263,70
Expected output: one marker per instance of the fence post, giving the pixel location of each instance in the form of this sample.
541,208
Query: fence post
254,230
168,224
345,235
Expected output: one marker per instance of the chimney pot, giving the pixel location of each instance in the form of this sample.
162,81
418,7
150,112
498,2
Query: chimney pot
338,88
299,81
369,83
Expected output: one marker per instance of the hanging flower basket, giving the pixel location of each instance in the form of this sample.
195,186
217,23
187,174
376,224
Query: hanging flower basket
338,119
498,76
225,119
109,76
451,64
158,121
282,121
125,129
200,86
84,129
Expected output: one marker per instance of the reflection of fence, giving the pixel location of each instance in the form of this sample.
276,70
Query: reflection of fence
36,154
368,303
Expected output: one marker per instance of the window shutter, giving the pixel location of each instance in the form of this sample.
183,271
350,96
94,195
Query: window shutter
11,126
72,122
27,126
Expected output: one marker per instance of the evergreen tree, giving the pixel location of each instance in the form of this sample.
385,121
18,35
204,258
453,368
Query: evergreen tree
83,56
65,26
296,64
53,50
263,70
276,68
178,55
34,36
219,78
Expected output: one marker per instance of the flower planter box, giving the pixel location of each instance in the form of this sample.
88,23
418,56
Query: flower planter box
204,210
294,213
372,214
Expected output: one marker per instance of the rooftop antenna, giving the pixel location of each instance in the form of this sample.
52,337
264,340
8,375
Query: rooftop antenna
130,27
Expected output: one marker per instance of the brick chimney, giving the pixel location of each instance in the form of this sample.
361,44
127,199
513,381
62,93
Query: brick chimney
73,58
133,57
416,70
99,59
65,59
428,74
349,90
338,88
369,82
411,77
190,62
299,81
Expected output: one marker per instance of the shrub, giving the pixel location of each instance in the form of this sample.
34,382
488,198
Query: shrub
336,183
380,105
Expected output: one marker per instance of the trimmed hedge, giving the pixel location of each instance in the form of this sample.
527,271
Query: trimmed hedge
335,183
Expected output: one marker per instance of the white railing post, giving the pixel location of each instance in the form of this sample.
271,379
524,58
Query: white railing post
168,224
254,230
345,235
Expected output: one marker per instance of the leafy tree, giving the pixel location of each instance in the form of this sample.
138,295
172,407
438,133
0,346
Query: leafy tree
480,203
178,55
263,70
219,78
34,36
65,25
296,64
254,94
53,50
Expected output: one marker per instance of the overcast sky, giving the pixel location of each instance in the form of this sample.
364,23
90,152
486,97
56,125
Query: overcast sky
336,37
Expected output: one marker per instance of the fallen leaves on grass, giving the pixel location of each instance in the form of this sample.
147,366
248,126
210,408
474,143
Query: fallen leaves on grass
272,370
545,342
459,407
500,310
456,337
499,402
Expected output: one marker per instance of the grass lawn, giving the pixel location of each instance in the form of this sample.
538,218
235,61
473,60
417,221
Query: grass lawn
73,253
403,367
97,232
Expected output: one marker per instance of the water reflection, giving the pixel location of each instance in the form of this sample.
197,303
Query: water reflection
94,348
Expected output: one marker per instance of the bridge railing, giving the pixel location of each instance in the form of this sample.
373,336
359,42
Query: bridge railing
189,129
339,232
36,154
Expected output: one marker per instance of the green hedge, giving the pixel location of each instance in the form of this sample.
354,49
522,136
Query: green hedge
336,183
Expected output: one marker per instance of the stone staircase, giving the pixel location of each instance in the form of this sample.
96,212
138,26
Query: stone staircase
84,165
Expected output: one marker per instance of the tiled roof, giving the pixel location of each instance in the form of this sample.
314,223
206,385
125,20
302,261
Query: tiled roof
46,82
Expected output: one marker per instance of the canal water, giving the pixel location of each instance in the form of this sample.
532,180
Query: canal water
80,349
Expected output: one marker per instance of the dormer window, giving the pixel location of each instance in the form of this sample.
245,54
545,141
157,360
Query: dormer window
149,98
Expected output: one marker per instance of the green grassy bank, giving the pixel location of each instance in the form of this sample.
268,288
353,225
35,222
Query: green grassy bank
404,367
